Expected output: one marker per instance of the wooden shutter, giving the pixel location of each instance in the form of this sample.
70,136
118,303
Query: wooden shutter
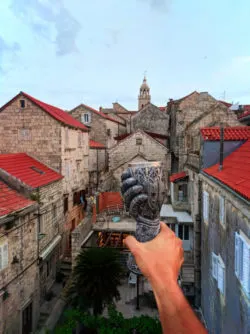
205,205
5,255
215,266
246,267
237,254
221,277
222,209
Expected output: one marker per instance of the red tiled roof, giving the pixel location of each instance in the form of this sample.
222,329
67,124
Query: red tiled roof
11,201
235,173
230,133
100,113
178,176
28,170
162,108
57,113
151,134
95,144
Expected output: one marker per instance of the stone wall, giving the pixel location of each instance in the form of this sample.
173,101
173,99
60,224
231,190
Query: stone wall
31,130
78,236
51,210
151,119
94,159
127,149
21,277
228,313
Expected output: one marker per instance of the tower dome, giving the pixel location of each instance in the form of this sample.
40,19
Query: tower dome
144,96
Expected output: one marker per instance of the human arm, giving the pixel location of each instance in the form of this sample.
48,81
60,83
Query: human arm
160,261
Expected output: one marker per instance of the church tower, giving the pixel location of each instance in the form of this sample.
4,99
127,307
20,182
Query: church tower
144,96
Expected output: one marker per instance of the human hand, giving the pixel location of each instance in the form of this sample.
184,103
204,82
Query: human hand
159,259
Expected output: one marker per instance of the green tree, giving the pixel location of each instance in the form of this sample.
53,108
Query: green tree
96,278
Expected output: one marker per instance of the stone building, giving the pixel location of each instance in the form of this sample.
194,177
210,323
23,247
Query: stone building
103,128
55,138
37,181
244,117
187,116
98,164
225,246
19,273
177,216
138,146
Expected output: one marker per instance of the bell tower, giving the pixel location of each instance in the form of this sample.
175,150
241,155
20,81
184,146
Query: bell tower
144,96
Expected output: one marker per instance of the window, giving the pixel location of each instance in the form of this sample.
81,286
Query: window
108,132
222,210
40,224
218,272
182,192
67,169
79,139
242,261
22,103
138,141
66,137
24,134
76,198
65,204
4,256
183,232
171,226
205,206
54,211
221,276
86,118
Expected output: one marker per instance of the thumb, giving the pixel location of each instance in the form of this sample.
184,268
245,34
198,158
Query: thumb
132,244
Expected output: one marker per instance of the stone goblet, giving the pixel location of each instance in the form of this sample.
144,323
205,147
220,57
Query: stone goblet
143,190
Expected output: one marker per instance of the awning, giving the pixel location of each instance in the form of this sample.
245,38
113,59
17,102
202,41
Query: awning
167,211
178,176
50,247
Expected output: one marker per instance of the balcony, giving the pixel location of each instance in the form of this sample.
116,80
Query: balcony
193,161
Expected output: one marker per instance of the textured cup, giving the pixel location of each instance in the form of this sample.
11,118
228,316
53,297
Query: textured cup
143,189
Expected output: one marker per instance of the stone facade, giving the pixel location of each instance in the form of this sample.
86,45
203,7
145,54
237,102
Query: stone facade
63,148
138,144
152,119
97,166
102,129
187,116
19,281
226,312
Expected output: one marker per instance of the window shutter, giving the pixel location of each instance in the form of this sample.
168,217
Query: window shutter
215,266
89,117
246,267
222,209
5,255
221,277
240,259
205,205
237,254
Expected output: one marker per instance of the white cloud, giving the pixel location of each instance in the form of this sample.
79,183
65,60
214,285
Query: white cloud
51,20
161,5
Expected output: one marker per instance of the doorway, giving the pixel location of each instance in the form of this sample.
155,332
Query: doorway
27,319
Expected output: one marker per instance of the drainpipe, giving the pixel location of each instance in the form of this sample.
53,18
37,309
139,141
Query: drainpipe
221,147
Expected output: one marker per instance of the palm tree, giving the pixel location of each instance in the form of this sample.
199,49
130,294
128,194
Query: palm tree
96,278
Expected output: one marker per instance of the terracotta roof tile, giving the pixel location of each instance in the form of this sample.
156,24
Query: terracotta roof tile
235,173
95,144
11,201
230,133
57,113
178,176
246,111
28,170
100,113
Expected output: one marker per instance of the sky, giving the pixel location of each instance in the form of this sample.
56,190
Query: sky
67,52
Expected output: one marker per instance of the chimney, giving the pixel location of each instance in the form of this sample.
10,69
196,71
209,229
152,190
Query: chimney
221,146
